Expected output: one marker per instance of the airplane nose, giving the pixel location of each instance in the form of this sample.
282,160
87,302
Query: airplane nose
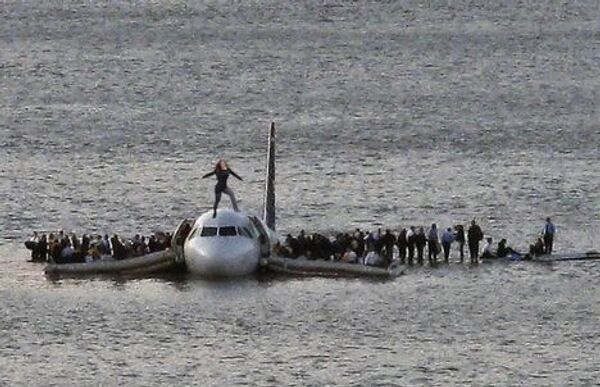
221,257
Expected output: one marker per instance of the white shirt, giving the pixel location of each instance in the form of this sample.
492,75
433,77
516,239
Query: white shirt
487,248
372,259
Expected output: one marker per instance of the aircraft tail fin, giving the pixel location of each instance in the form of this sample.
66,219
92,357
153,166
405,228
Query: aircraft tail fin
269,210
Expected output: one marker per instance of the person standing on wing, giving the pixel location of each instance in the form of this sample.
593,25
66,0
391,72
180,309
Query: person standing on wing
222,172
474,235
548,234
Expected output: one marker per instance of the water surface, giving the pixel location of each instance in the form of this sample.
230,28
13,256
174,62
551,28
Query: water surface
388,113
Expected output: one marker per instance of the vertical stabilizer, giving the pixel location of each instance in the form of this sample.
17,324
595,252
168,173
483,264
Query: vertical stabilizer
269,214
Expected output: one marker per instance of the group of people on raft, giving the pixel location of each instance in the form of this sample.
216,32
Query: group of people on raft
64,248
407,246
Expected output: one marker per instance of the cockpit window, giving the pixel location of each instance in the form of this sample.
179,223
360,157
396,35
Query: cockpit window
252,229
208,231
193,233
227,231
243,231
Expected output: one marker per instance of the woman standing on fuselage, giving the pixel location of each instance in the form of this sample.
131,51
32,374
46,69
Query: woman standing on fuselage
222,172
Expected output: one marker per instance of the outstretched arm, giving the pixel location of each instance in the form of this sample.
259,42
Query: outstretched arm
209,174
235,174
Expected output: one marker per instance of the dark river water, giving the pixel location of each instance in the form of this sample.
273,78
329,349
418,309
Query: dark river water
389,114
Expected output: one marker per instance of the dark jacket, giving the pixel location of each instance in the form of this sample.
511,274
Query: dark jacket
460,235
420,240
475,234
402,239
222,176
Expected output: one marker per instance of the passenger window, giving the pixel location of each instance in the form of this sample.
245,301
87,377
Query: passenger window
208,231
227,231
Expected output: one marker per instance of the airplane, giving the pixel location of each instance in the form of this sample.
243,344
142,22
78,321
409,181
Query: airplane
232,243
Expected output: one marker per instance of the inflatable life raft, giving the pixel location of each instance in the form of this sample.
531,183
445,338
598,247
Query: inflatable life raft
150,263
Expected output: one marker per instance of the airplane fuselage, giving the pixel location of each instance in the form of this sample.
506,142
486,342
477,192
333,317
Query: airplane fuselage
228,245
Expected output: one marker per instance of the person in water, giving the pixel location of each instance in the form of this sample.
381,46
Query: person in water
222,172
